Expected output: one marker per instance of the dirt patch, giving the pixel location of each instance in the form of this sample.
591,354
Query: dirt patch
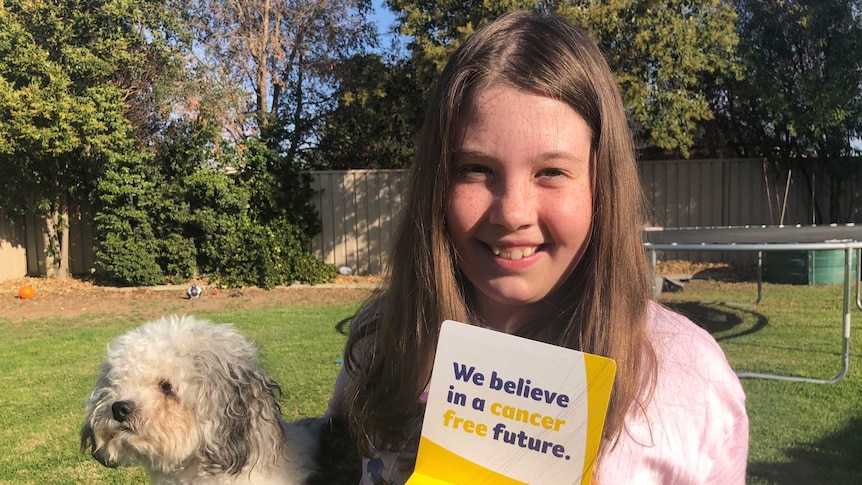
73,297
707,271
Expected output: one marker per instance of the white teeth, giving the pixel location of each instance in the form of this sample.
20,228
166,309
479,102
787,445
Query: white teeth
514,254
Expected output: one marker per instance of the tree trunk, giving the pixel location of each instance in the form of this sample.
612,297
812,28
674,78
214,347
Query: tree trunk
63,268
298,129
57,241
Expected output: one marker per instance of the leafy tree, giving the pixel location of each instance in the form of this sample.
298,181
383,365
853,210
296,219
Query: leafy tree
62,102
376,120
282,54
280,59
153,70
89,112
240,225
50,129
800,102
660,50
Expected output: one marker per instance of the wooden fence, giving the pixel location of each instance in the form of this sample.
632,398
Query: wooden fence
13,247
23,241
698,193
359,208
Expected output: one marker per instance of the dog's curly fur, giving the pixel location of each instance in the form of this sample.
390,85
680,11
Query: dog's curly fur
187,400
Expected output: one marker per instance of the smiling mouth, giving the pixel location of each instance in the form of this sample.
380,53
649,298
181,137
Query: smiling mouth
514,254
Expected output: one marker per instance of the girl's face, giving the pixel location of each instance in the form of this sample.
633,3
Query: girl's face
521,206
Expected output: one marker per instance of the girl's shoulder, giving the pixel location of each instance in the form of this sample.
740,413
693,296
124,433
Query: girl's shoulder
685,350
667,328
694,426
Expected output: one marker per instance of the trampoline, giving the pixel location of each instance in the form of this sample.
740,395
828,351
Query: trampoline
847,237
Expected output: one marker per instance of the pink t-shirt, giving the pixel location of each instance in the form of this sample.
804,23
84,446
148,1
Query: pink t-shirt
694,431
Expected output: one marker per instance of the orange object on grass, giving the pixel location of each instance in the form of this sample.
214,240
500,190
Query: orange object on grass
26,292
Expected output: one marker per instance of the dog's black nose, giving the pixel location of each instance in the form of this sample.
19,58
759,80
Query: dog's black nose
122,410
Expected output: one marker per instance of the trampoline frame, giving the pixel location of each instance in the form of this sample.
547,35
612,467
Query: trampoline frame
761,232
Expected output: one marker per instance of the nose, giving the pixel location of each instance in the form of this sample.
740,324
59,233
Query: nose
513,205
122,409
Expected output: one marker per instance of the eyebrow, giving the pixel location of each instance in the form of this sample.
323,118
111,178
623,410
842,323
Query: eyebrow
552,155
459,153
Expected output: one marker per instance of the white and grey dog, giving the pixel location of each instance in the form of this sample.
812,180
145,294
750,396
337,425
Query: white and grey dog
187,400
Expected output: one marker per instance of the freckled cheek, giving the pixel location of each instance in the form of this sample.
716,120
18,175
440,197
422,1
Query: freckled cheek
464,210
570,219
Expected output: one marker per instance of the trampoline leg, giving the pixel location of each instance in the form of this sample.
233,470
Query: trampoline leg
759,288
857,278
653,262
848,273
759,277
845,360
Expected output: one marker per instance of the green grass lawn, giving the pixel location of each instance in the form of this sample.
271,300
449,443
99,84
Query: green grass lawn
801,433
49,366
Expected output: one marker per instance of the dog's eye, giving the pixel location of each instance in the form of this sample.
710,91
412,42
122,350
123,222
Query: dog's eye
165,387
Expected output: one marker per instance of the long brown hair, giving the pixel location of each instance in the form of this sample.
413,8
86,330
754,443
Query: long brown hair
391,347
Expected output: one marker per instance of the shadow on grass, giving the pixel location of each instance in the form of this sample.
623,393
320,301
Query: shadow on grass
716,320
343,326
835,460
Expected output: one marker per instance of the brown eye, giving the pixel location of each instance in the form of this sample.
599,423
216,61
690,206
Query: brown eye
473,172
165,387
550,173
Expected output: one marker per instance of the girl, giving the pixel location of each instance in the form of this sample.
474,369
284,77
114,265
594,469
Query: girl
524,214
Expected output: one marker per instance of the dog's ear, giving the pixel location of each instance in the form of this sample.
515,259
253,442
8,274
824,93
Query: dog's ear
88,439
97,395
244,412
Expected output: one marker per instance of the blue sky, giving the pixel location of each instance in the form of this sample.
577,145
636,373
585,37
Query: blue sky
382,16
385,19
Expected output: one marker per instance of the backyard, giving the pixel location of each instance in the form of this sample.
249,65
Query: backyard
801,433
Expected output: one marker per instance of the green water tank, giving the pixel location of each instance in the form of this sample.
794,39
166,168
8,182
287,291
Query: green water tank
824,267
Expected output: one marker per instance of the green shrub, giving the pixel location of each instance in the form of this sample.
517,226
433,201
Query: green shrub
177,257
296,263
263,255
311,270
129,260
126,247
241,216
